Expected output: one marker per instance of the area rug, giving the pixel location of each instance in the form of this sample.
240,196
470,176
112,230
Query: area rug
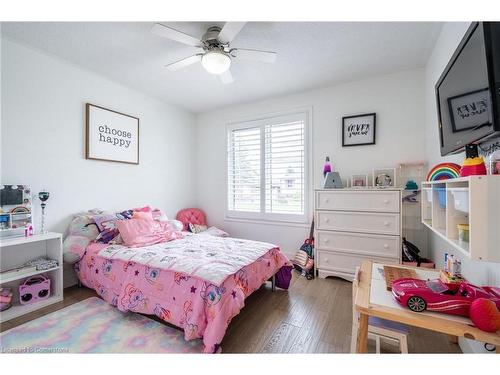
94,326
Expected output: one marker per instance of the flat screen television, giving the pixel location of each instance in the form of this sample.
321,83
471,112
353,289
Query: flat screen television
468,91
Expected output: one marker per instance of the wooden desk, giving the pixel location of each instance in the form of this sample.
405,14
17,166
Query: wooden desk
372,299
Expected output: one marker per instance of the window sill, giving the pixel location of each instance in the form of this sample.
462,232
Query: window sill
282,223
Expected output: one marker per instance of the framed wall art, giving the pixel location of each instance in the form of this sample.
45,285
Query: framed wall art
358,130
470,110
111,135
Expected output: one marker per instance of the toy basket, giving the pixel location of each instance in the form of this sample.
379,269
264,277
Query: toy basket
441,197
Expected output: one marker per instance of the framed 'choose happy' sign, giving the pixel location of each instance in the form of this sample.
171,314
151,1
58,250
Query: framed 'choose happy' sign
111,135
358,130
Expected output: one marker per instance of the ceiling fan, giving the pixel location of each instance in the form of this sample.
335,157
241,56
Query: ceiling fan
216,54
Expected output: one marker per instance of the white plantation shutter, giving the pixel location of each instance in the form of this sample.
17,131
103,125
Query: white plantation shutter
244,170
284,168
267,168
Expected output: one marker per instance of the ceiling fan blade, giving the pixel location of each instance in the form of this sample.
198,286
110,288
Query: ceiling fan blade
229,31
226,77
184,62
172,34
253,54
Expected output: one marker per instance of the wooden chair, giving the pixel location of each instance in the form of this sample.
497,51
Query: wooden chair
378,329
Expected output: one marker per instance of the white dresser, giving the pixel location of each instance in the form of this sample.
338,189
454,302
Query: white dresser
353,225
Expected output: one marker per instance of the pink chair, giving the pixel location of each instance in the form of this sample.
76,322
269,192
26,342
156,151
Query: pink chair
191,215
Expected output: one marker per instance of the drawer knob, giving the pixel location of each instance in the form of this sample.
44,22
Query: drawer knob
386,223
386,201
327,200
327,220
327,261
326,240
386,246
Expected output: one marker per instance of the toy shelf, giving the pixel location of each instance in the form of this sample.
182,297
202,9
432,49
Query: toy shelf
18,309
16,251
447,205
4,280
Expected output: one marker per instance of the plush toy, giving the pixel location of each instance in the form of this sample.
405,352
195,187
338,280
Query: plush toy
485,315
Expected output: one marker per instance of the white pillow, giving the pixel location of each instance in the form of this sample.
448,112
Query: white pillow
176,224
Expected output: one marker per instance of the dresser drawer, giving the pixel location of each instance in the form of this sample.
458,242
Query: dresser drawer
381,223
361,244
345,263
358,200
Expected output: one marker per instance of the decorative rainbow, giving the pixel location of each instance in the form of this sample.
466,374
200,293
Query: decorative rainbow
444,171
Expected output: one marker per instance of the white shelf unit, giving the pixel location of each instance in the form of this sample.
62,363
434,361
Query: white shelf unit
481,213
15,252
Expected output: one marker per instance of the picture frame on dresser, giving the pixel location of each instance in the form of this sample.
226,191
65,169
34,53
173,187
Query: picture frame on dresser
384,177
359,180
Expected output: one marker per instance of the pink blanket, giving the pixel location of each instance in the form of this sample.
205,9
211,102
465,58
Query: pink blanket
200,307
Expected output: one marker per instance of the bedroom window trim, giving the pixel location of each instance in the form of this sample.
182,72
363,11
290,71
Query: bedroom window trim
261,216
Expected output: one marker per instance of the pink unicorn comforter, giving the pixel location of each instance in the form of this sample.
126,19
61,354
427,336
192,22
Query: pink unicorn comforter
198,283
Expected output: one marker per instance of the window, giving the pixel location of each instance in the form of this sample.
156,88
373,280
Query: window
268,168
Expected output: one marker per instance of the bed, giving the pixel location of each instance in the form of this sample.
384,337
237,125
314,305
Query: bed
198,283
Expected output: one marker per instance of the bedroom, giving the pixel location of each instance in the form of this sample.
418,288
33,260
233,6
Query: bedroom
172,170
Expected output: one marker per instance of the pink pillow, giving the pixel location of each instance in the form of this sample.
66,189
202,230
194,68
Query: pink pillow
144,215
143,209
138,232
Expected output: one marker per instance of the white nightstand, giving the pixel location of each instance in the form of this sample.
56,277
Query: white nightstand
15,252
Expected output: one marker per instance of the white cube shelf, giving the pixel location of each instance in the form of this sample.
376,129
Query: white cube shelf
14,252
473,200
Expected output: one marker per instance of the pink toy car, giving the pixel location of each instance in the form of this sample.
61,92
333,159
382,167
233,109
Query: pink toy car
435,295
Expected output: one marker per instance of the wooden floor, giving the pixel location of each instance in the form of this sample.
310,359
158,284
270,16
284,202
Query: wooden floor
312,317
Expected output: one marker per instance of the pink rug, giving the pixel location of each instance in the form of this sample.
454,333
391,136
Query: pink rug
94,326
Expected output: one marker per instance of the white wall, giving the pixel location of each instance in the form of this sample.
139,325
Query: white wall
481,273
43,102
398,101
477,272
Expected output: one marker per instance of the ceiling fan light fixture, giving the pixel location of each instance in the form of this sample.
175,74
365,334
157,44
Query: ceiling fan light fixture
216,62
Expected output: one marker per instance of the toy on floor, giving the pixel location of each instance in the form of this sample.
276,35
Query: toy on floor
435,295
304,259
473,163
444,171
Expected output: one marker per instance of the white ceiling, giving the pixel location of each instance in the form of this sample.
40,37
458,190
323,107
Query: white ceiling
310,55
